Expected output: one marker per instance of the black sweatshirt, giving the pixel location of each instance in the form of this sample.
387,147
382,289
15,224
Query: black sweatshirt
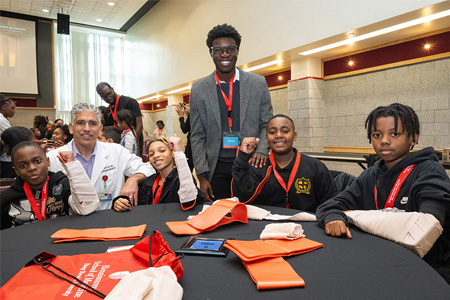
426,190
312,185
16,209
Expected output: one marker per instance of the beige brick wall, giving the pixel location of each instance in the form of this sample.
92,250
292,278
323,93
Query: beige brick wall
423,86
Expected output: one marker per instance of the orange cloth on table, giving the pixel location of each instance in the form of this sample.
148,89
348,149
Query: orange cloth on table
265,264
258,249
273,273
211,218
104,234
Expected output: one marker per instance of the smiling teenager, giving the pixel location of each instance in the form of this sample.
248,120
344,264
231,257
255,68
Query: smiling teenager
291,179
405,181
226,106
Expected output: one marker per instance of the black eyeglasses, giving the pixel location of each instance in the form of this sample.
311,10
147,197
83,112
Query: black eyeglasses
220,49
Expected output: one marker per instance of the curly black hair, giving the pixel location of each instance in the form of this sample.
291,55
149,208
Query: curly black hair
223,31
405,113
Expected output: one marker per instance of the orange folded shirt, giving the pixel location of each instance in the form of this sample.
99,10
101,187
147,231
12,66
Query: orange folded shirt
211,218
103,234
273,273
253,250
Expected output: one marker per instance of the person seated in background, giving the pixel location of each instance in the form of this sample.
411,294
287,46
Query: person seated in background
7,110
173,181
403,180
126,121
49,133
40,122
9,139
291,179
185,125
61,136
159,132
110,134
37,133
105,164
103,111
38,195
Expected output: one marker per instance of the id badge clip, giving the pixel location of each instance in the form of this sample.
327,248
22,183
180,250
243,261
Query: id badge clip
230,140
104,197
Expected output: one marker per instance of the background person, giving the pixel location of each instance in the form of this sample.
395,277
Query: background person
9,139
185,125
110,134
7,110
225,106
117,103
160,131
49,133
126,121
40,122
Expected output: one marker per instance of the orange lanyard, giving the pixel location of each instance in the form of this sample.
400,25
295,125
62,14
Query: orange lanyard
40,215
155,187
115,110
394,192
159,132
125,131
228,100
291,177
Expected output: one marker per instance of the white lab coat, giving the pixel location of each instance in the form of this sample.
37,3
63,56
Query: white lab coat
111,160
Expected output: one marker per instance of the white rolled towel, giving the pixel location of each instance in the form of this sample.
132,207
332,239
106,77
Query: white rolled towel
413,230
282,231
148,284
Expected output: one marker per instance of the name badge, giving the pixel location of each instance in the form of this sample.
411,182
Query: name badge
104,197
230,140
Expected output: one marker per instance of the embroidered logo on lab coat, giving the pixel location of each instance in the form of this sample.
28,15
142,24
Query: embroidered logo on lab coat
302,185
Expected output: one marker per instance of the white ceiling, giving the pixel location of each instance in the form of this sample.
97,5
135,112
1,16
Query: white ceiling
80,11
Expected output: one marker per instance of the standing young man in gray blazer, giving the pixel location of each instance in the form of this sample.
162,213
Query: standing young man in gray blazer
226,106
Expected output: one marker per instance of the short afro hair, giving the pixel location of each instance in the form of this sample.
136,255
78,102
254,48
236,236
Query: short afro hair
223,31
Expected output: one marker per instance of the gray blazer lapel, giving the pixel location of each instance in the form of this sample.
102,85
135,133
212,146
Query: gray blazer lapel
211,94
245,87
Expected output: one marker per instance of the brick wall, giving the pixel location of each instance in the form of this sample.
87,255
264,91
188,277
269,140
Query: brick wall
423,86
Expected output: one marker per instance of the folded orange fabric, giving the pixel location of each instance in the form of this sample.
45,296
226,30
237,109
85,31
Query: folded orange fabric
103,234
273,273
211,218
253,250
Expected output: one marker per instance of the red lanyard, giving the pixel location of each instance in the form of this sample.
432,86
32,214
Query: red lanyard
40,215
159,132
394,192
115,109
291,177
155,187
228,100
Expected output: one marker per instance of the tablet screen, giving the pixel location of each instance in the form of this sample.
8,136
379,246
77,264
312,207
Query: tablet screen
206,244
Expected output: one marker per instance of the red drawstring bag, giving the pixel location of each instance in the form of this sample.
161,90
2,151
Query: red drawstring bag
87,276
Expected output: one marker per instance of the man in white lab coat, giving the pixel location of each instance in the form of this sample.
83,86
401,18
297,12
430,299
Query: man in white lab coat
105,164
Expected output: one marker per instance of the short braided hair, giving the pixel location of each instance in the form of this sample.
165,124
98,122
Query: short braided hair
403,112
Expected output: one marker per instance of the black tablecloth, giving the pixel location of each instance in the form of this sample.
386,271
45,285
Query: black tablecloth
365,267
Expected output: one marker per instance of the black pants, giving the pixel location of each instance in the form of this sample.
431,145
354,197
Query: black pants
221,180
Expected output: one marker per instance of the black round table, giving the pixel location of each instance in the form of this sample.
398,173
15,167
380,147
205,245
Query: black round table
365,267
